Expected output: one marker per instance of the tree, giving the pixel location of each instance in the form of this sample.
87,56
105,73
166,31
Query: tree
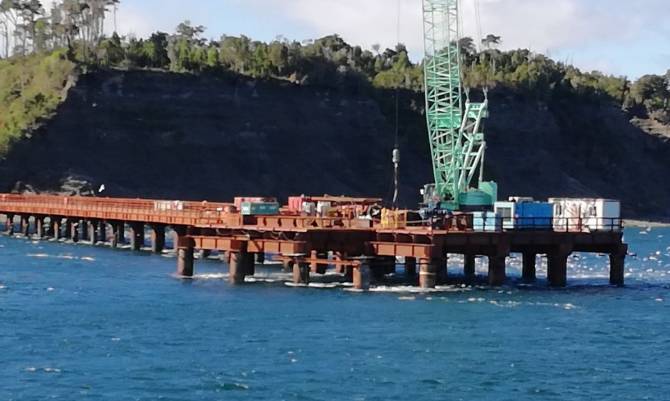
491,41
156,49
651,91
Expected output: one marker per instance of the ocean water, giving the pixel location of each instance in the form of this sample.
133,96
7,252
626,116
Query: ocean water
80,323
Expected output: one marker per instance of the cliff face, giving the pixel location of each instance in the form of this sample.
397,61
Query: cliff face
155,134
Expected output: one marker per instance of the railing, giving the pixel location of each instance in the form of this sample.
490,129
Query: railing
132,209
557,224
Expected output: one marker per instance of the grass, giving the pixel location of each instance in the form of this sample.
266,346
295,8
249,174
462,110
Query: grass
31,88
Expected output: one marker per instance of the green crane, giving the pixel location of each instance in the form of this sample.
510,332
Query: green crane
455,130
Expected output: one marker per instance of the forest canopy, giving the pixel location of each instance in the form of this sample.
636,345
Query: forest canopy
78,27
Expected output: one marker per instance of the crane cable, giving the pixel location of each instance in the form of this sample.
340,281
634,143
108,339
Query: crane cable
396,148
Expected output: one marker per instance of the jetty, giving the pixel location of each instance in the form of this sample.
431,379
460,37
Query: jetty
360,249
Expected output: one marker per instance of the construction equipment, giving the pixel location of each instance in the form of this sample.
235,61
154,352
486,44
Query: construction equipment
456,132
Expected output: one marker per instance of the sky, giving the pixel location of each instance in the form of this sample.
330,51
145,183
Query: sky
630,38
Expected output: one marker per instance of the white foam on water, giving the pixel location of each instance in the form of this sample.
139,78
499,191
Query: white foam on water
211,276
407,298
87,259
256,279
38,255
30,369
291,284
659,300
116,339
323,285
50,289
507,304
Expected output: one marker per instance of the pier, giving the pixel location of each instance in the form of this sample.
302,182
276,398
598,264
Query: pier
361,250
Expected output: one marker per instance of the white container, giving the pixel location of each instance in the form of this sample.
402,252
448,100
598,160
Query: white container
507,213
567,214
322,208
602,215
586,215
309,208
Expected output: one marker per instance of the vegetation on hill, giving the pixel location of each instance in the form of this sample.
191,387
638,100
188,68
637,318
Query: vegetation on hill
30,90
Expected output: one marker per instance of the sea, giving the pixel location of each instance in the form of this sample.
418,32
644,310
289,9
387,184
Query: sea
90,323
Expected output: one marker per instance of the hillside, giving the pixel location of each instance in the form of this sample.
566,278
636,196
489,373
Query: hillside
213,136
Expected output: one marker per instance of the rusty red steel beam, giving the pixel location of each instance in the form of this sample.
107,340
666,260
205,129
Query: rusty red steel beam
236,244
317,261
410,250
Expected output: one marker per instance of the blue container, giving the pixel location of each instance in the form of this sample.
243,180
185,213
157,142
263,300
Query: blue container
534,216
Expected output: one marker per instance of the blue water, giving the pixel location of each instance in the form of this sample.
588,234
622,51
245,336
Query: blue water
79,322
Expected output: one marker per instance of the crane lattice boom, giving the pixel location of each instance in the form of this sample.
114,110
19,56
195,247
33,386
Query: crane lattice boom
455,132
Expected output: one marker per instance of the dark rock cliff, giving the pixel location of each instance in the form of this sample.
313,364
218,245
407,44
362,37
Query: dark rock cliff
156,134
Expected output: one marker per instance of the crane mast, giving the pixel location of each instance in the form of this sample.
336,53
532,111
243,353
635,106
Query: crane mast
455,129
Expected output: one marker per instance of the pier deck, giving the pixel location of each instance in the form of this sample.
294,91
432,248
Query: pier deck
357,248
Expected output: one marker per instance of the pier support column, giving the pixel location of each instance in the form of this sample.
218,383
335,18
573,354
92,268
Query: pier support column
339,257
157,238
529,274
117,227
237,267
410,269
49,227
260,258
362,275
136,236
102,232
83,230
557,266
122,234
185,262
301,273
25,225
428,272
39,227
469,267
56,228
69,229
9,224
91,228
497,274
74,231
618,265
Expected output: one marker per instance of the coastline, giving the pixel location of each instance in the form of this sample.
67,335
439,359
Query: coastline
645,224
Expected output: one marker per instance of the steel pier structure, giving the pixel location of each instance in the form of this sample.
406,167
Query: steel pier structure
356,248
